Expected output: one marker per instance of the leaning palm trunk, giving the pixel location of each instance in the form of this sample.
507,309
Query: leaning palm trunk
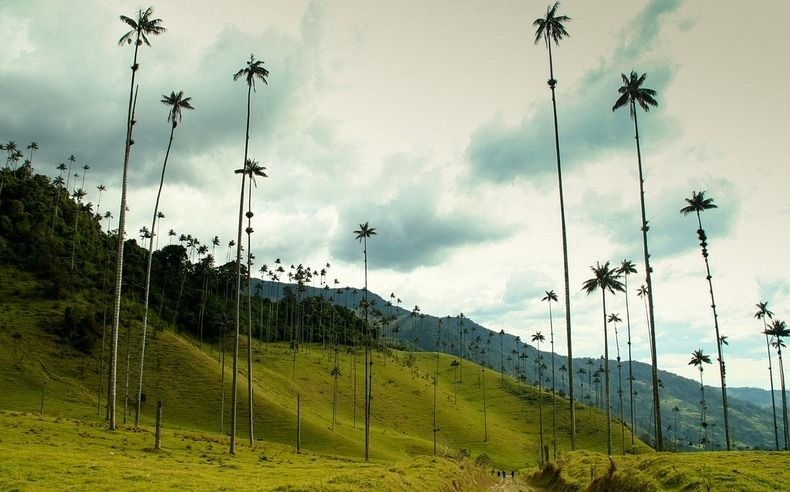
234,389
649,283
722,370
148,278
113,381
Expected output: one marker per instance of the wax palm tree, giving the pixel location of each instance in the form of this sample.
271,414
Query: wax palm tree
537,339
614,318
254,70
550,297
362,234
696,204
253,169
605,278
632,94
551,29
698,358
141,27
626,268
177,103
762,313
78,195
778,330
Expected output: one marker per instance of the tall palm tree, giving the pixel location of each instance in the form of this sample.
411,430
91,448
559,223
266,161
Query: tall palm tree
550,28
252,169
605,278
762,313
632,94
550,297
177,103
778,330
696,204
362,234
141,27
626,268
614,318
537,338
253,71
697,359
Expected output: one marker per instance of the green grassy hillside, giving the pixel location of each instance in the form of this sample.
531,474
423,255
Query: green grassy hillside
187,379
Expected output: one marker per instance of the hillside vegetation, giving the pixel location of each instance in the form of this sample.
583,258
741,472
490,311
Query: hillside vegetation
188,380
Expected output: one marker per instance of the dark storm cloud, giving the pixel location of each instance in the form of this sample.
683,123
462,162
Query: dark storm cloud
587,126
411,231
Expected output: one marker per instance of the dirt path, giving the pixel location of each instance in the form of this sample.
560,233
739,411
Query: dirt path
509,484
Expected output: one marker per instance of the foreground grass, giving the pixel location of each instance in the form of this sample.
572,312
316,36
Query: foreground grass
41,453
731,471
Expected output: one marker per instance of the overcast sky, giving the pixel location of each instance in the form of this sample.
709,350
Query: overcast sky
432,121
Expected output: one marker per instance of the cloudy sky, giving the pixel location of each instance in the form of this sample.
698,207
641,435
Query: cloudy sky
432,121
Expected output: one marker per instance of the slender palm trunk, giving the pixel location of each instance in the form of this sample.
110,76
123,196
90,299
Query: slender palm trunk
148,277
630,365
702,417
250,400
113,382
722,369
553,388
620,387
648,281
771,377
234,389
606,377
368,359
572,407
784,396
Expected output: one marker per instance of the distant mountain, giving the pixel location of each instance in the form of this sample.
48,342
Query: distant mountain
751,425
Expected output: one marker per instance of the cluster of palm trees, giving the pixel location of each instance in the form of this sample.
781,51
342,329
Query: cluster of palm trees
551,28
142,26
775,331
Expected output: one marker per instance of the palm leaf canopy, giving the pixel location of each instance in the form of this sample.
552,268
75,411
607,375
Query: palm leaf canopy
632,92
550,296
550,28
253,70
252,168
627,267
763,311
142,26
697,203
778,329
698,358
614,318
604,278
366,231
177,103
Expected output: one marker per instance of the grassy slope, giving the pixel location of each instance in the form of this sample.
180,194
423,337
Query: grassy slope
85,456
187,379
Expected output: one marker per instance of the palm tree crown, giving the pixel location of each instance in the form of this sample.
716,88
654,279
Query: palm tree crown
365,231
143,26
697,203
253,70
177,103
605,279
550,296
633,92
550,28
763,311
698,358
